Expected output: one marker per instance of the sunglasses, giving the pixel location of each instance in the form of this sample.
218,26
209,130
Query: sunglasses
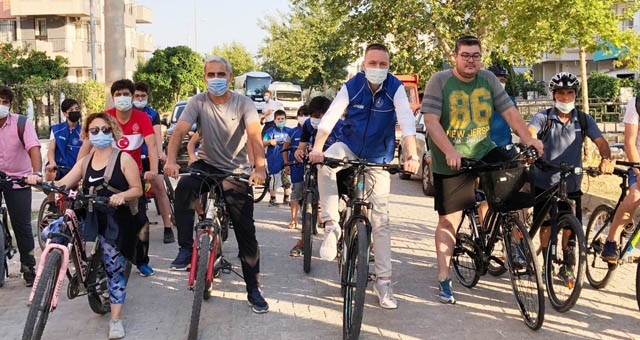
105,129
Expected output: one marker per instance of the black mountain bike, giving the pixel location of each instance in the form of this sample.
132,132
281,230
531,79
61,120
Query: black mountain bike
504,186
353,245
309,211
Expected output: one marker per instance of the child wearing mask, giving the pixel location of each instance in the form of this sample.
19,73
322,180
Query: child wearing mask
273,140
296,171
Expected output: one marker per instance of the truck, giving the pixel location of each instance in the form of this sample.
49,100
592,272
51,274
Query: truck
253,84
410,82
288,95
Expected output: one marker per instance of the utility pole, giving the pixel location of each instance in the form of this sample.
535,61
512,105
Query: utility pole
195,23
92,27
115,47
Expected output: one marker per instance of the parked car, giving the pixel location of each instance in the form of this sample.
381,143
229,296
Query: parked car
183,156
424,171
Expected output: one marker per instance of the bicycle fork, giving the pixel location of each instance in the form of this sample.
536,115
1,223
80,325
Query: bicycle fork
61,272
211,247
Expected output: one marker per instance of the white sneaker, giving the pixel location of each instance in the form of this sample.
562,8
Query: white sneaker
384,291
116,329
329,247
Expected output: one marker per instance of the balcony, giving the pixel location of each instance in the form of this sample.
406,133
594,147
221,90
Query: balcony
50,7
77,52
145,42
144,15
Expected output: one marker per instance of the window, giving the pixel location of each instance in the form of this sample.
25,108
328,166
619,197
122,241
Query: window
40,28
7,30
79,74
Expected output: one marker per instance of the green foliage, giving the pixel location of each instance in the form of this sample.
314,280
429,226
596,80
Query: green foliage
172,73
20,65
240,58
523,83
603,87
306,46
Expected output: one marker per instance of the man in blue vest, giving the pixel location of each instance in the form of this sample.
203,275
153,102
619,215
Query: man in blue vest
371,102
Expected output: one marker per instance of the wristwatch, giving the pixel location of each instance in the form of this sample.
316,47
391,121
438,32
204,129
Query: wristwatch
413,158
38,173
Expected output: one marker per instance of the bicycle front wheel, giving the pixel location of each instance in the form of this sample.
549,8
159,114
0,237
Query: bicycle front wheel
41,303
259,191
564,265
599,272
307,230
466,254
354,281
201,282
526,280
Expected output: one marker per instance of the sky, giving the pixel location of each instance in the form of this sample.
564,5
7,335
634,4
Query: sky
218,22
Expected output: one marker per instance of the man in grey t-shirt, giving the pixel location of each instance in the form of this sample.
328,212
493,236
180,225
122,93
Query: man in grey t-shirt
229,129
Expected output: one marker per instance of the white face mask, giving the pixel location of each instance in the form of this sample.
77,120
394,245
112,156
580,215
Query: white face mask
565,107
140,104
4,111
315,122
122,103
302,120
376,75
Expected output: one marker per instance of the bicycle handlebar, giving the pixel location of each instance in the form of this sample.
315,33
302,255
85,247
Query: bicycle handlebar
334,163
72,194
527,153
195,172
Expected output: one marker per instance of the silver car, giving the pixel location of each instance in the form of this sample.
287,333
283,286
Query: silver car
425,165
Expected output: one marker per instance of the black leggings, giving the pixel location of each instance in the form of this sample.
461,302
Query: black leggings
239,202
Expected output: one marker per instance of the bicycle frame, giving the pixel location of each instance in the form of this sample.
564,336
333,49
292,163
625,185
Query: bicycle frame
211,227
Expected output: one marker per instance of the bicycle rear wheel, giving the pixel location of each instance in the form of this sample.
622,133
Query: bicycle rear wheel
41,303
599,272
565,264
44,219
638,284
98,292
259,191
354,280
201,279
171,194
526,280
3,256
307,230
466,254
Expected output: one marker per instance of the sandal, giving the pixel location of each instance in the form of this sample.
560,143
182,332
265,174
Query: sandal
296,251
293,225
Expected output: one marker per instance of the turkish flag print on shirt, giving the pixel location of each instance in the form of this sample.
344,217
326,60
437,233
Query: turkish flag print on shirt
133,133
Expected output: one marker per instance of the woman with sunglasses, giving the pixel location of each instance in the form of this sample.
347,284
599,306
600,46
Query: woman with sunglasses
109,224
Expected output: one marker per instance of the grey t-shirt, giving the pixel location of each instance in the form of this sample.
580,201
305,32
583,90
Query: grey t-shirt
562,143
222,128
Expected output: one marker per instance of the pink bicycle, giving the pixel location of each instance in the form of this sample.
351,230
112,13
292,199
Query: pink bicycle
86,276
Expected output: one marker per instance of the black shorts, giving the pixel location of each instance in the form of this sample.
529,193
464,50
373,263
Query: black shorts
147,167
457,192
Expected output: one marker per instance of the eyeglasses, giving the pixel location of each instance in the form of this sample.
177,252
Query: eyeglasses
467,56
105,129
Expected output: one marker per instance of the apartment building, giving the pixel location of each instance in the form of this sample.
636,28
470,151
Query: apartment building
62,27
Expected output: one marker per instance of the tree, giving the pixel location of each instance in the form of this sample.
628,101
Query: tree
240,58
603,87
172,73
306,46
21,65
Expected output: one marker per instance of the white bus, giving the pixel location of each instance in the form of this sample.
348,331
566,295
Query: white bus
253,85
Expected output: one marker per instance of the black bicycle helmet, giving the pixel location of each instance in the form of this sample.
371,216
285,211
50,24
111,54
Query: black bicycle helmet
498,70
564,80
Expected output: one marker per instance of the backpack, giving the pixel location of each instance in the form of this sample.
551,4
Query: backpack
108,172
582,119
22,121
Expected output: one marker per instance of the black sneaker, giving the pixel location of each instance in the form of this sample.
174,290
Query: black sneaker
272,202
168,236
182,261
257,302
29,276
610,251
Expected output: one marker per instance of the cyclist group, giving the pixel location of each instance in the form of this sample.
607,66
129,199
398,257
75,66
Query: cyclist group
468,114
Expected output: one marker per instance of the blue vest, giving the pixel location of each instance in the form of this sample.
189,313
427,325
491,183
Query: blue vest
152,115
333,137
297,170
500,132
370,119
68,143
275,162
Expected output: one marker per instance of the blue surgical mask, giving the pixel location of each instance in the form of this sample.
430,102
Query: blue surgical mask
281,125
122,103
100,140
217,86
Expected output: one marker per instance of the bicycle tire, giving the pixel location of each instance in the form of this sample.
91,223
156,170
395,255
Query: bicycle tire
208,284
466,254
563,300
42,213
357,267
98,295
638,284
307,230
41,303
3,260
260,191
532,318
599,272
172,196
198,292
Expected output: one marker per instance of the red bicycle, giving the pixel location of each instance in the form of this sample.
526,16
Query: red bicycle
50,211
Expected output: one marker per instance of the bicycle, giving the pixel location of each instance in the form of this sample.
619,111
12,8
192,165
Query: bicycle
50,211
88,277
600,272
473,253
260,190
567,241
353,244
205,265
7,251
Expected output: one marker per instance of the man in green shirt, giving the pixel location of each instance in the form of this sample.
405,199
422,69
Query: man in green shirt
459,104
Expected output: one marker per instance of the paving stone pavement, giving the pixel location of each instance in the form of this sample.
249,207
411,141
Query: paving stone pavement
308,306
